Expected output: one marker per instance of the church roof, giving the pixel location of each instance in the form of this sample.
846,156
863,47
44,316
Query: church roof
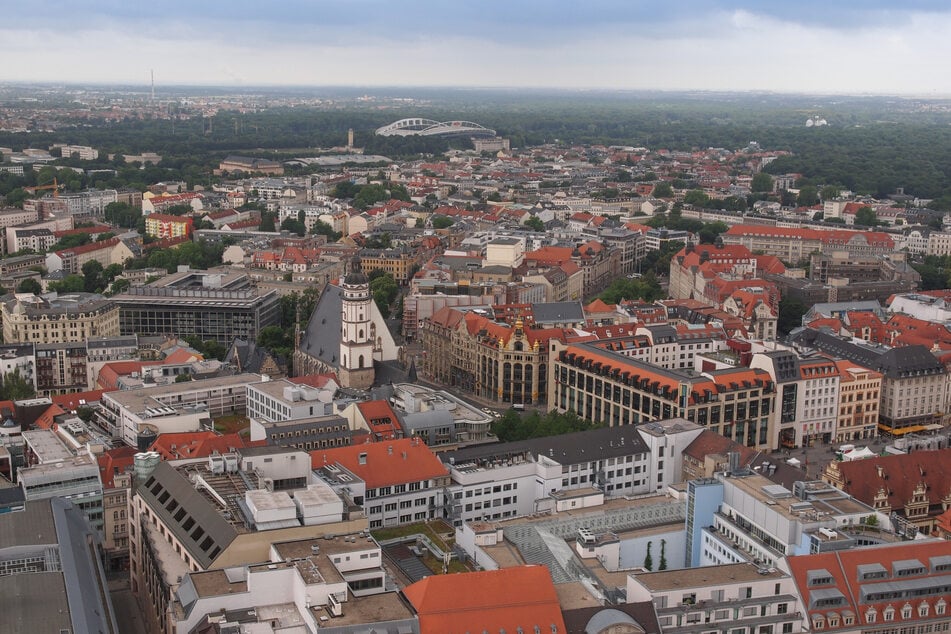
321,338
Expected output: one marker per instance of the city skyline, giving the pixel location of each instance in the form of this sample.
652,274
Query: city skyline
837,47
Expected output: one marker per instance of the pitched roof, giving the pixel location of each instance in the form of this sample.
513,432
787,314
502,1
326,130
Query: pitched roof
712,443
72,402
384,463
197,444
115,461
856,593
898,475
522,598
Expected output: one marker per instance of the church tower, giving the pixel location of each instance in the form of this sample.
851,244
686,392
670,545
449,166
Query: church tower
356,340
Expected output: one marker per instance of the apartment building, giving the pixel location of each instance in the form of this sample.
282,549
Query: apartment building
164,226
792,245
891,588
177,407
307,585
737,598
859,397
223,511
53,318
609,388
913,380
396,482
515,479
106,252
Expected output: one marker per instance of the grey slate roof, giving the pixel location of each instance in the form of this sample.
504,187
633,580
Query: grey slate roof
197,508
558,312
894,363
321,337
594,444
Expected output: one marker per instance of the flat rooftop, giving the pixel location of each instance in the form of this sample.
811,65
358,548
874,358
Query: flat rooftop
705,576
46,445
275,389
820,498
376,608
139,400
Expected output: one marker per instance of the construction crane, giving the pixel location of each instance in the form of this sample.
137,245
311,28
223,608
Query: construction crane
54,186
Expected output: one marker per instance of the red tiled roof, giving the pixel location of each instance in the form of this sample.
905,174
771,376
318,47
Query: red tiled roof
521,598
898,476
198,444
831,236
92,246
115,461
387,463
315,380
45,420
843,567
72,402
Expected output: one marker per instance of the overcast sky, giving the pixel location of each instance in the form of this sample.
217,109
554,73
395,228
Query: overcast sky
832,46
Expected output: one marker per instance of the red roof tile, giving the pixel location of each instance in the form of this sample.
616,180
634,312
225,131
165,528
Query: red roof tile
522,598
386,463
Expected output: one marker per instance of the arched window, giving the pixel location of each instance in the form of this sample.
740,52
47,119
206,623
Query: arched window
361,334
361,361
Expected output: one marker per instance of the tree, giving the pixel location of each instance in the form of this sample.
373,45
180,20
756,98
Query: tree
278,340
761,183
866,217
808,196
294,226
267,222
535,223
118,286
829,192
663,555
15,387
92,273
70,284
696,197
183,378
648,560
322,228
663,190
442,222
30,285
384,289
622,288
791,311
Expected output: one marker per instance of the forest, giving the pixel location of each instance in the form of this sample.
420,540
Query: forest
870,146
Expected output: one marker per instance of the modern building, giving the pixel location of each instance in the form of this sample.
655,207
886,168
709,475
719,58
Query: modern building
52,318
164,226
306,585
54,470
224,511
741,515
499,481
395,482
209,305
51,573
136,416
610,388
731,598
284,399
